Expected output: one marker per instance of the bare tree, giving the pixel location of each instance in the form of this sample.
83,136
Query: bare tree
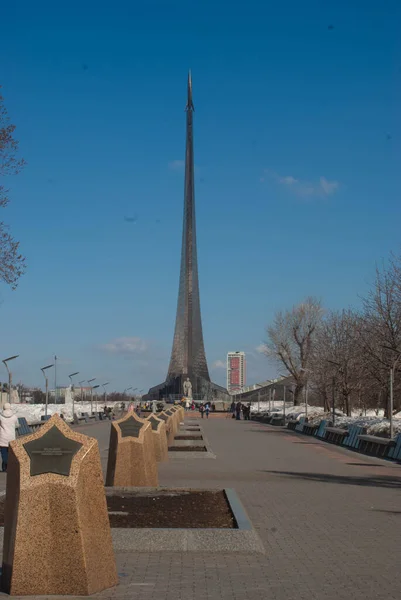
12,263
290,340
381,330
337,353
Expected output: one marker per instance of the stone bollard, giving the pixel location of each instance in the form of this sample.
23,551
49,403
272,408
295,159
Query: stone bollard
170,426
159,436
57,538
180,410
172,412
132,460
177,416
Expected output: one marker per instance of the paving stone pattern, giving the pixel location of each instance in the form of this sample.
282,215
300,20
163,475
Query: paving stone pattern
318,509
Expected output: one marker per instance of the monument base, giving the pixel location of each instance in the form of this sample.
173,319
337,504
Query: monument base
202,390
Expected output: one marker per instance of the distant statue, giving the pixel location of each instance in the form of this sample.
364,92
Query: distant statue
187,387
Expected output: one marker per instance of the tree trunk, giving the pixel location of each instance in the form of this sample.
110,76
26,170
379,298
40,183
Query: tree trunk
386,404
347,404
298,394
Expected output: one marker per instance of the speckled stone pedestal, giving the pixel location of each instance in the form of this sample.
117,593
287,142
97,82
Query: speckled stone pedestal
132,460
178,414
57,538
176,418
171,428
159,437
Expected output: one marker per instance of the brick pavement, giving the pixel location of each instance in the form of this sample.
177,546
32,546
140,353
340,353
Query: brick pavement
318,509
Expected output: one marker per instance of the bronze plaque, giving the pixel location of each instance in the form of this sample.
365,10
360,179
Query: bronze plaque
154,422
131,427
163,417
52,453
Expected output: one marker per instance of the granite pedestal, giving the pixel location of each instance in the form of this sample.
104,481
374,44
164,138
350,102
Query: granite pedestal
159,437
57,538
170,426
171,412
132,460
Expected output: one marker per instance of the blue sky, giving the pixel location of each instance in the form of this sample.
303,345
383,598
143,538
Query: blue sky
297,147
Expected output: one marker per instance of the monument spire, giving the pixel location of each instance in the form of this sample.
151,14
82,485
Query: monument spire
190,104
188,357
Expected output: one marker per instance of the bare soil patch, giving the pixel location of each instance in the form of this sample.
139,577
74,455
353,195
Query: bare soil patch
167,508
171,508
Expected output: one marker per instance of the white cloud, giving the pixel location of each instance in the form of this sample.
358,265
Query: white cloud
289,180
262,348
219,364
300,187
329,187
176,165
125,345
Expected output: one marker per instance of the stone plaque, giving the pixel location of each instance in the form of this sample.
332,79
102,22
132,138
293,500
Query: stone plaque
51,453
130,427
154,422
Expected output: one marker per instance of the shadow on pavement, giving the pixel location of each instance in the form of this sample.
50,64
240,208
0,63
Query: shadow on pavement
381,481
366,465
262,430
307,443
388,512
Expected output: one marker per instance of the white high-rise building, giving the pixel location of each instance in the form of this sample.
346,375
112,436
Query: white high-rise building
236,372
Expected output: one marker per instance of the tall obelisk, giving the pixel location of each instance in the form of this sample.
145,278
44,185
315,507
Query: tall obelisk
188,357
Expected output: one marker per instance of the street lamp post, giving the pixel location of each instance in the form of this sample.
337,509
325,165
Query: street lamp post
73,391
284,390
43,369
105,393
90,381
306,390
94,388
258,385
333,362
82,398
306,400
10,377
392,369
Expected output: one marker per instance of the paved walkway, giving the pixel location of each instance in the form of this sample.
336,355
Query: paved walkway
330,520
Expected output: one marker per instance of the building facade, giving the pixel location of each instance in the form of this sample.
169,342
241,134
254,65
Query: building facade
236,372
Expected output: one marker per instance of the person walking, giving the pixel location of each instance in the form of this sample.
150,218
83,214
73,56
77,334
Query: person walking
8,423
207,410
201,410
238,411
248,411
187,404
